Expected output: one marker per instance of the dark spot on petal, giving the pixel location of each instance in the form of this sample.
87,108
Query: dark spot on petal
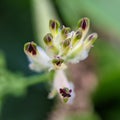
68,95
78,34
70,90
32,49
91,37
53,24
57,61
65,92
61,90
49,39
66,43
65,31
57,57
84,24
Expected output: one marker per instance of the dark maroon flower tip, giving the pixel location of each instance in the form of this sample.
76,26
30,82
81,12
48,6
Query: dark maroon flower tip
65,92
58,61
66,42
65,31
68,95
53,25
84,24
70,90
78,34
91,37
49,38
61,90
32,49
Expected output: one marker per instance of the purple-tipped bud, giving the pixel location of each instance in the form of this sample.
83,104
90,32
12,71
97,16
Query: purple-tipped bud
54,26
78,34
66,42
83,23
90,40
70,90
31,48
57,61
48,39
92,36
65,31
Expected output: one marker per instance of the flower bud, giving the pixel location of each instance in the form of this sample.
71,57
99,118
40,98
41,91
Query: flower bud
92,36
84,24
30,48
54,26
77,37
57,62
66,43
48,39
90,40
65,47
64,32
51,48
78,34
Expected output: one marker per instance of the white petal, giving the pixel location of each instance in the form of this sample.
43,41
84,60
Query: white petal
71,99
40,61
81,56
52,94
43,57
60,80
71,34
36,67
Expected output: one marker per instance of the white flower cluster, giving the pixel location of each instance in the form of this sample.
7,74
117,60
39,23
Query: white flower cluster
62,46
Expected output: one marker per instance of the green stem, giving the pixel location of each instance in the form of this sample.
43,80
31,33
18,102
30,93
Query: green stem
40,78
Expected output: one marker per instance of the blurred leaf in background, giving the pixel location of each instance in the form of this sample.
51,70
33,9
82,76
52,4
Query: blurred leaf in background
103,14
15,29
15,101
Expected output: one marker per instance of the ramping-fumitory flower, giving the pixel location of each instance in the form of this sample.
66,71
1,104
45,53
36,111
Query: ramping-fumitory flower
62,46
62,86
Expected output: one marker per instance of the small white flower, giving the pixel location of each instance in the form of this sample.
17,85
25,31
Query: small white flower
63,87
37,57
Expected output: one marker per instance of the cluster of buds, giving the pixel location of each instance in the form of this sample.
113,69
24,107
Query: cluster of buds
62,46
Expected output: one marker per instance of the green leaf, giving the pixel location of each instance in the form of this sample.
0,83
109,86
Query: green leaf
104,14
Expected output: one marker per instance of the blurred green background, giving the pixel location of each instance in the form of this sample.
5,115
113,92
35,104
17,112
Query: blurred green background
19,101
